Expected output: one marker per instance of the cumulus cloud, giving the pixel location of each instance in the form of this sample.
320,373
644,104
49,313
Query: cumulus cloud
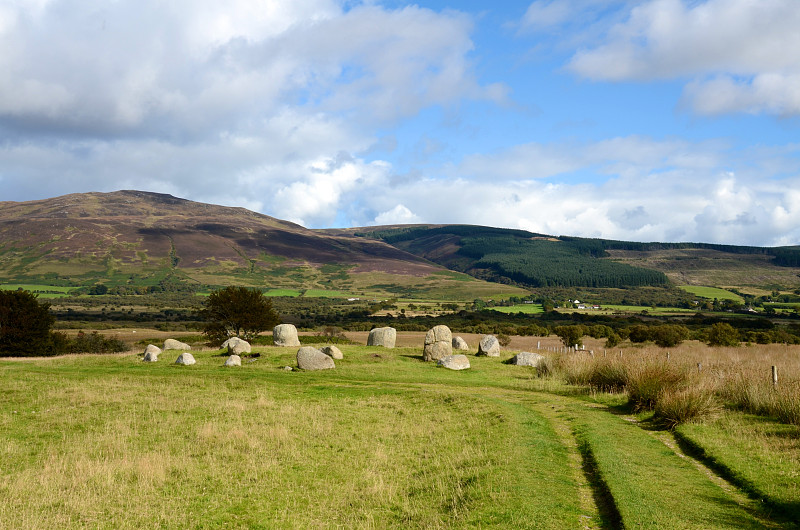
246,102
657,190
747,53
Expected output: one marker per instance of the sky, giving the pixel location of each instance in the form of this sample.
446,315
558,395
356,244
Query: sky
651,120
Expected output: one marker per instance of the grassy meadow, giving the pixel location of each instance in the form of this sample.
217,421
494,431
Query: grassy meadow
388,441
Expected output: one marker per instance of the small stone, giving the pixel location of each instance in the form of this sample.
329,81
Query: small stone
186,359
460,344
172,344
333,352
287,368
526,358
489,346
310,358
454,362
385,337
285,335
233,360
237,346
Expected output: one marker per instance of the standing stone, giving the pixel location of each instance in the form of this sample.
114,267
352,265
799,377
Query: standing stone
186,359
460,344
454,362
233,360
172,344
285,335
438,343
526,358
236,346
310,358
151,353
333,352
385,337
489,346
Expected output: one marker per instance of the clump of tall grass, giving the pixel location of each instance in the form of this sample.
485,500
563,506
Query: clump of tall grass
649,377
751,393
688,404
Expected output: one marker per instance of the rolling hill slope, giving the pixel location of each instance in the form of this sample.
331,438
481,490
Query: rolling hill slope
134,238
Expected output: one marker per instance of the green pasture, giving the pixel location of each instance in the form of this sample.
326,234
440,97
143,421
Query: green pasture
711,293
293,293
44,291
528,309
383,441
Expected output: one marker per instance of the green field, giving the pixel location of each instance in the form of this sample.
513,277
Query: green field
321,293
44,291
711,293
383,441
528,309
293,293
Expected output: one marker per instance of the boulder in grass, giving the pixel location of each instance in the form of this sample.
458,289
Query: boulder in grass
233,360
333,352
285,335
186,359
385,337
236,346
454,362
489,346
460,344
310,358
172,344
526,358
438,343
151,354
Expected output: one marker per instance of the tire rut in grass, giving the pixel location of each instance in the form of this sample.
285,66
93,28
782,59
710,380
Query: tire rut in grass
718,476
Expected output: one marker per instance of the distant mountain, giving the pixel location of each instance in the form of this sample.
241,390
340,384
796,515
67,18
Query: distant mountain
135,238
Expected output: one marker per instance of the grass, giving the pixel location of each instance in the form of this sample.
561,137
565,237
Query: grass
44,291
759,455
384,440
321,293
528,309
293,293
711,293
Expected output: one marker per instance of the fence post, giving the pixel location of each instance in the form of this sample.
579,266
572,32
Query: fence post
668,356
775,377
699,367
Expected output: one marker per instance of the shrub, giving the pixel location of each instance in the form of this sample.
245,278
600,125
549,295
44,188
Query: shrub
669,335
609,376
87,343
722,334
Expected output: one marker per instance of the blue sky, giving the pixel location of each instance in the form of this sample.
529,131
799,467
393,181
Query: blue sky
654,120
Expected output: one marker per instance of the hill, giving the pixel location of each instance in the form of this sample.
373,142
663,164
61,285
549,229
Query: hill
132,241
542,261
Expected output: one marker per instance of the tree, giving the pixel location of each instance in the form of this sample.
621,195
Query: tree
669,335
570,335
723,334
237,312
24,325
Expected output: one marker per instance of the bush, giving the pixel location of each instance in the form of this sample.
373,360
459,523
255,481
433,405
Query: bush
87,343
609,376
722,334
669,335
25,325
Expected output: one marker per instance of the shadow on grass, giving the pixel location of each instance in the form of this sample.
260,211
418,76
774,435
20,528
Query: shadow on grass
784,513
610,518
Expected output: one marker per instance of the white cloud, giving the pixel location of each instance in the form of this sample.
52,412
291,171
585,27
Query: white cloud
397,215
746,52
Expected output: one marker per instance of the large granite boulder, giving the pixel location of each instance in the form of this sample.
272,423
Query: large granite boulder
333,352
285,335
460,344
172,344
151,353
454,362
526,358
489,346
438,343
385,337
233,360
310,358
186,359
236,346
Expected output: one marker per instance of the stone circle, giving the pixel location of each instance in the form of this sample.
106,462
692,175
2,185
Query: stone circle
333,352
172,344
385,337
438,343
489,346
454,362
186,359
310,358
285,335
